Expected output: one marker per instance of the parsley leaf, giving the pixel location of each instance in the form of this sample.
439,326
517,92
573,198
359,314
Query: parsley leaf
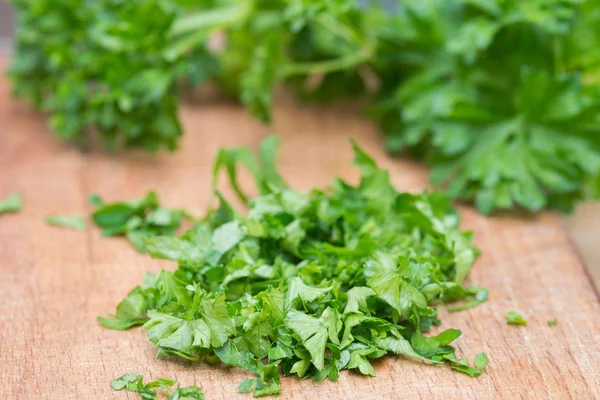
462,365
138,220
134,383
552,322
314,332
125,380
182,335
131,311
188,393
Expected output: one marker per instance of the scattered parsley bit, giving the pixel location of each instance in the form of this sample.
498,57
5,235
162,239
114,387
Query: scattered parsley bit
95,200
462,365
552,322
514,318
475,297
305,283
11,204
136,219
74,222
134,383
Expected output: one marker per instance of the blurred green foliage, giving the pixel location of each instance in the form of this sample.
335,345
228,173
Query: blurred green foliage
500,97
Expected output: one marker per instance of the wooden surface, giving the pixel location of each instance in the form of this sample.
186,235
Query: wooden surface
583,226
54,282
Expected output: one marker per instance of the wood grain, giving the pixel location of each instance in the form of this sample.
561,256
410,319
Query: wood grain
582,226
54,282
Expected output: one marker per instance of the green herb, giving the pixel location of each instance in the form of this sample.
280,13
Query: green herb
462,365
501,98
552,322
505,125
75,222
11,204
137,219
307,283
514,318
475,297
107,66
134,383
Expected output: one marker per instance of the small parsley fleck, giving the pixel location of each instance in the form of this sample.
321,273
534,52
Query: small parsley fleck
11,204
514,318
72,222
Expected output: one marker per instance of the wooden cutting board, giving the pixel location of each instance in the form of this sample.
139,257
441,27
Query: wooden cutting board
54,282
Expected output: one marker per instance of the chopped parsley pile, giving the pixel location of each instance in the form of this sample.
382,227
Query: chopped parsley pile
301,283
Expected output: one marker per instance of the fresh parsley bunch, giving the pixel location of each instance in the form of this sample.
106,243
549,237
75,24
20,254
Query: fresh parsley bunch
104,66
503,103
307,283
500,97
113,67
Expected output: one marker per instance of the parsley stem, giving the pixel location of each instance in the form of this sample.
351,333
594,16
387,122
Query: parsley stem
340,29
212,19
323,67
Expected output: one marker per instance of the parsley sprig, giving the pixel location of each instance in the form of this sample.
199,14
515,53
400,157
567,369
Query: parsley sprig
306,283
